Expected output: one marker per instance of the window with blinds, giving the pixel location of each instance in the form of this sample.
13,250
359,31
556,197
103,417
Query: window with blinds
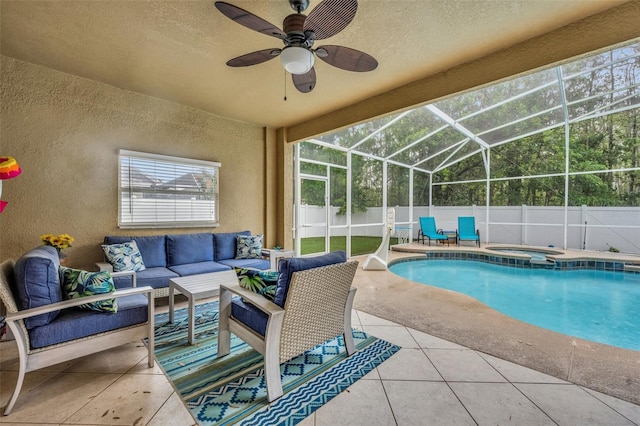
161,191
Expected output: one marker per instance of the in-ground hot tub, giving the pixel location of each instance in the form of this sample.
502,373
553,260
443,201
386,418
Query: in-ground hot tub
536,254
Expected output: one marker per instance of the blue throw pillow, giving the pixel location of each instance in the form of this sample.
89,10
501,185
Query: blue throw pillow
37,283
290,265
261,282
124,256
153,248
77,283
249,247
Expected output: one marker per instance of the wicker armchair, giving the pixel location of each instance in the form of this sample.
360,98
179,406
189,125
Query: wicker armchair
317,308
132,327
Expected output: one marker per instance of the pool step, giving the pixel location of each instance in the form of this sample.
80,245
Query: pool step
634,267
545,262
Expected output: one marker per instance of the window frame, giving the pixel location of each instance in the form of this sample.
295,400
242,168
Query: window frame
124,185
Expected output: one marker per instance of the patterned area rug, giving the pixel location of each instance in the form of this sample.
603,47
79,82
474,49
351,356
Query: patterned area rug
231,390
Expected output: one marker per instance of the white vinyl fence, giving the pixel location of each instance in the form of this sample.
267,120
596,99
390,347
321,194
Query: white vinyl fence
589,228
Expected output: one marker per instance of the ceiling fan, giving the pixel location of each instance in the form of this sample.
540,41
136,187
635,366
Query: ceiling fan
300,32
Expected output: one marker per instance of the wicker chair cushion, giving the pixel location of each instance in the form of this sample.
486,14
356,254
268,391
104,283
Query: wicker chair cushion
74,324
37,283
249,315
290,265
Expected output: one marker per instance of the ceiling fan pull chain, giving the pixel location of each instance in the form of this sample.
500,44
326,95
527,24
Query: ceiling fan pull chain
285,85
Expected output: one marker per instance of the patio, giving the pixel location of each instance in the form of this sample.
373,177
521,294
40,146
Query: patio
431,378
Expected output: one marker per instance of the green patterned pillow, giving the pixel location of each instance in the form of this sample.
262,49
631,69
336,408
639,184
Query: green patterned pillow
124,256
249,247
261,282
78,283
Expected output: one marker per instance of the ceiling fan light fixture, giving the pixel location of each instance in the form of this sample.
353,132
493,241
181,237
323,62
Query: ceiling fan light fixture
297,60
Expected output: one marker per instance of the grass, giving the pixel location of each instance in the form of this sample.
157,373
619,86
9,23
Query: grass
359,245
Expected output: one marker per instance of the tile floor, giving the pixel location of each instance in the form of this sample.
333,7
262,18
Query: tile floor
430,381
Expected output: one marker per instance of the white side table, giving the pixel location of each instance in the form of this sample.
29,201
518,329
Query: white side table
196,287
274,255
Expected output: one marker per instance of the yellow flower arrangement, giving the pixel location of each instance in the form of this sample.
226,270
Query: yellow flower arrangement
60,242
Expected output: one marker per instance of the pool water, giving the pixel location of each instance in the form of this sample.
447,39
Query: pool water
596,305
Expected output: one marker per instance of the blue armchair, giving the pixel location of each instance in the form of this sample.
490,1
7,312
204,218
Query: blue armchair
312,304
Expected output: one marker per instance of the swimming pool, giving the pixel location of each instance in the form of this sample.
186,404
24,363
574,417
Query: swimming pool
597,305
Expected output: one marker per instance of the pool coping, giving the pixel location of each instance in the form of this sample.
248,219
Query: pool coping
464,320
562,259
524,261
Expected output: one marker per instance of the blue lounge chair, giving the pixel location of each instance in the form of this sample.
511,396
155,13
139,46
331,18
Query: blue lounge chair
467,230
428,229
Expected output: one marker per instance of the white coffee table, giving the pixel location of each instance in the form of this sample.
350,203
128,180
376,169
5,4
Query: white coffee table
196,287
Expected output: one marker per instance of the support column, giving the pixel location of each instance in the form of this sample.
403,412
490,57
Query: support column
280,213
270,185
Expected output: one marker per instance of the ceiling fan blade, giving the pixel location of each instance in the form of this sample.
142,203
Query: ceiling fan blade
346,58
249,20
254,58
305,82
330,17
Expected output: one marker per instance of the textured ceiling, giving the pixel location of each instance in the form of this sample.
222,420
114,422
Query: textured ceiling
176,50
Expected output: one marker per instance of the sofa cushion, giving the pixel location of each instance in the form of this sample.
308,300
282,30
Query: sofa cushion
77,283
37,283
249,315
261,282
249,247
294,264
77,323
152,248
226,244
154,277
183,249
124,256
199,268
247,263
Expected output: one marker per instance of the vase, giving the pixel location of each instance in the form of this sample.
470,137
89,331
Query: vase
63,257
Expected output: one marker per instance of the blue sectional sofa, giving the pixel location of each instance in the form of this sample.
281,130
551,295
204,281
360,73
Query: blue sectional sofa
176,255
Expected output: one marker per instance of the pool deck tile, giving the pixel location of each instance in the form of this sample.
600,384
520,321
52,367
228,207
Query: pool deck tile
409,364
518,374
499,403
586,409
414,402
465,321
463,365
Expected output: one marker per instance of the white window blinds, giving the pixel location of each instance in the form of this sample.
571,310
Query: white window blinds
162,191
